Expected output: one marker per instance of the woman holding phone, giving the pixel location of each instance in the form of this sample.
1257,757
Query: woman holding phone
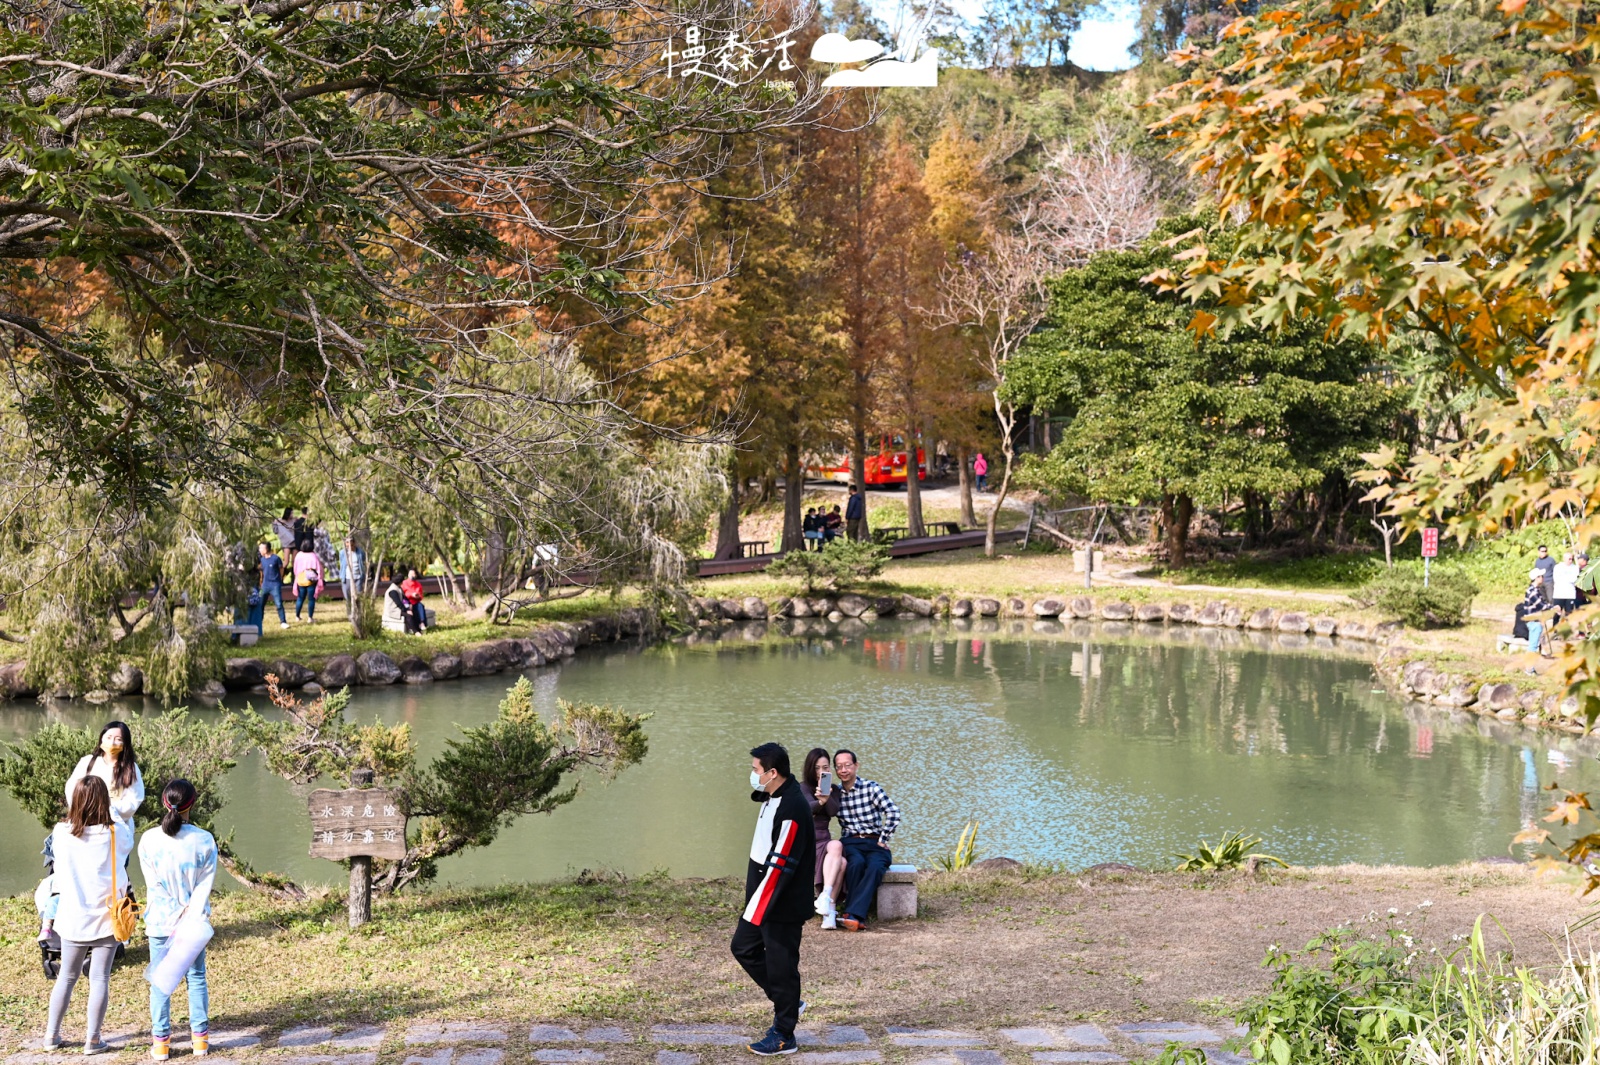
824,796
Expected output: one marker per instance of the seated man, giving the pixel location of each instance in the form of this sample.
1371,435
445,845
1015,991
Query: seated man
868,819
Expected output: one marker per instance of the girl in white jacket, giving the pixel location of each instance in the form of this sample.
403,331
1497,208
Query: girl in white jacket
90,850
179,862
115,765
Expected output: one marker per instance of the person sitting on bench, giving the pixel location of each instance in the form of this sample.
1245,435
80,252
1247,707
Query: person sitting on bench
868,818
396,614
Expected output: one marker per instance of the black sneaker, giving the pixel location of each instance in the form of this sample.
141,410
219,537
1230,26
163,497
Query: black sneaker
772,1045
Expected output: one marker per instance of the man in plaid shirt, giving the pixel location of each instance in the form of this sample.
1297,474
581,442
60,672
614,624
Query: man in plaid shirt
869,818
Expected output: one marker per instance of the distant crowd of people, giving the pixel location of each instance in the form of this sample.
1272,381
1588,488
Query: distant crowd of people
86,903
303,559
1555,590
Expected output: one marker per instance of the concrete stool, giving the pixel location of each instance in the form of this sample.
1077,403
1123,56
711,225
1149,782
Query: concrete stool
897,895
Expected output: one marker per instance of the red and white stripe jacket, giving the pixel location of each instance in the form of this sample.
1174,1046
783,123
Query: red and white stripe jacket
783,857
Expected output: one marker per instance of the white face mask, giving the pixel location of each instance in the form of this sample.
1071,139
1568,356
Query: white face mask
755,780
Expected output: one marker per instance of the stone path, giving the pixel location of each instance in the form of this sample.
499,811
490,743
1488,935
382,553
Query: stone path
511,1043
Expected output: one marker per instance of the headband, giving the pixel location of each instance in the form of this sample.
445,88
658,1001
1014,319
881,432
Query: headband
180,809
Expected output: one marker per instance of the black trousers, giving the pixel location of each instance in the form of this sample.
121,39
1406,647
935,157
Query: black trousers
770,953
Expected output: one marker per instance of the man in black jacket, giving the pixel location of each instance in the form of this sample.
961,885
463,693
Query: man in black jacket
777,891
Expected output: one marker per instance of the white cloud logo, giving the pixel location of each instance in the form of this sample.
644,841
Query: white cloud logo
837,48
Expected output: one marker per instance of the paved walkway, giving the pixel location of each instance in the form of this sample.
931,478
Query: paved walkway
505,1043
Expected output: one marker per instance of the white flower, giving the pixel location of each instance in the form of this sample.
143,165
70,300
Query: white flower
1425,904
1393,910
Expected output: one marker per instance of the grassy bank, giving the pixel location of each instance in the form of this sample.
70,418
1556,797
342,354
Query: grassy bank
988,951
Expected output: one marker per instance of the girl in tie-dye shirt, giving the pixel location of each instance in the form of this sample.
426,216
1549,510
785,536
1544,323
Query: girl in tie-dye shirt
179,863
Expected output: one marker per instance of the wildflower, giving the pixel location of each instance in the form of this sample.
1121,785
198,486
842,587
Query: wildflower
1424,904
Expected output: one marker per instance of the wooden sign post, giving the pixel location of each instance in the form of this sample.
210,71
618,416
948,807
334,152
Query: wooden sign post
358,824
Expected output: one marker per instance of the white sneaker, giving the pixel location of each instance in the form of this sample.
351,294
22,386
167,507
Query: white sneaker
823,904
283,624
830,921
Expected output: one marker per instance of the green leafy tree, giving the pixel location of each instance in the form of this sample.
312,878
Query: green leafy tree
843,564
1157,416
486,779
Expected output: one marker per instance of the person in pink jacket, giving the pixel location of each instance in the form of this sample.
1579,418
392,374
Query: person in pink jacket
980,467
307,583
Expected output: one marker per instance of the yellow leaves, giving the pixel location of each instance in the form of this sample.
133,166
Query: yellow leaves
1203,324
1568,810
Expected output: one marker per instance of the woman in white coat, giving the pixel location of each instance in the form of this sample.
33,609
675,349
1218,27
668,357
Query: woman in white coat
90,852
114,763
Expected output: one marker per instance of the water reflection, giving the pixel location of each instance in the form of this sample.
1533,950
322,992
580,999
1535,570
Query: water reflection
1069,742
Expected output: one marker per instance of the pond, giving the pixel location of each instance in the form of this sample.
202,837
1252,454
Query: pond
1067,744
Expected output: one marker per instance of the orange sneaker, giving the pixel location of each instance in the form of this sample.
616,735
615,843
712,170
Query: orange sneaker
201,1042
160,1047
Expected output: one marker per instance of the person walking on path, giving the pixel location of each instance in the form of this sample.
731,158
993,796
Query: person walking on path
89,849
272,581
869,819
116,766
980,470
179,862
823,796
777,893
307,583
855,513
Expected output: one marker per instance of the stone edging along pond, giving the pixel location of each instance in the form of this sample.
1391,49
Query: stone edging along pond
1409,677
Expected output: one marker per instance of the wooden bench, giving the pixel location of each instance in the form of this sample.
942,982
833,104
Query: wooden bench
897,895
888,534
752,548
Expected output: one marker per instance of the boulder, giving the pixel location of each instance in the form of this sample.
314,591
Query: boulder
211,691
1232,617
821,607
291,674
995,865
755,608
1289,621
922,608
311,688
799,607
339,672
1530,699
708,608
961,608
126,679
869,616
480,660
1150,612
1048,608
1353,630
1498,696
414,670
732,609
1459,694
853,606
1181,614
1210,615
886,606
835,617
1261,620
634,621
1323,625
941,605
1082,606
445,666
1117,610
376,667
781,607
13,684
986,608
1016,607
241,673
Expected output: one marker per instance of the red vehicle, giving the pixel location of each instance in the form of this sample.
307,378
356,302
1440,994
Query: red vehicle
887,467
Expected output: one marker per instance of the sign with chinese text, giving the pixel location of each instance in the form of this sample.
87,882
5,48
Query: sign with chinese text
1430,543
358,821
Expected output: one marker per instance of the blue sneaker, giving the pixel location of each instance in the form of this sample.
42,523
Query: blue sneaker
772,1044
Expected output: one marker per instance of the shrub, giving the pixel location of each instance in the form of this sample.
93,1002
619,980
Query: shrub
1445,602
966,851
1232,851
842,564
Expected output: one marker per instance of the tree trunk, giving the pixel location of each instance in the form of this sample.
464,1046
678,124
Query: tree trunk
1007,414
728,526
352,609
914,526
1176,513
858,460
968,517
793,494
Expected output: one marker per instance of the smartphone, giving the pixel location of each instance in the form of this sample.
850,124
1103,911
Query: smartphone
824,782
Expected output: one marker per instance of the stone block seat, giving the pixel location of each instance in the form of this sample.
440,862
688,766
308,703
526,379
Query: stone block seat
897,895
399,625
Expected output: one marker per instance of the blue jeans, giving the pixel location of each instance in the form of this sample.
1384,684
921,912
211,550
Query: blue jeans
307,593
161,1005
865,862
274,591
1535,635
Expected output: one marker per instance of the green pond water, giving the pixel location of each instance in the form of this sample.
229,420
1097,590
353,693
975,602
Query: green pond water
1068,744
